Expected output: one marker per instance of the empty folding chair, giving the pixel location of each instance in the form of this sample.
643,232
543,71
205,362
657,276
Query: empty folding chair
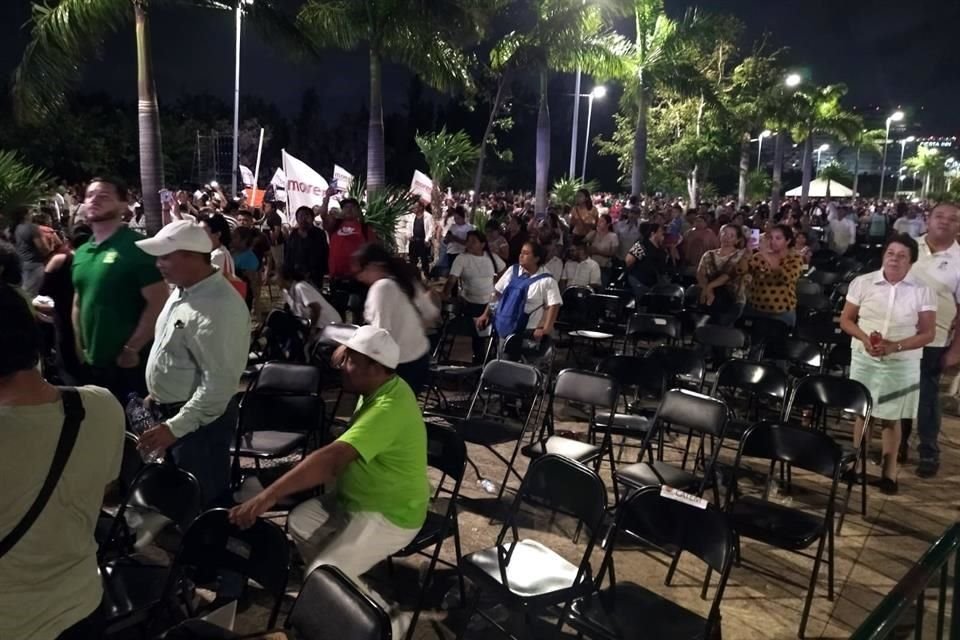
282,412
812,399
801,357
720,343
753,391
448,373
627,610
330,605
505,388
761,330
642,378
779,525
651,328
701,421
526,574
681,367
663,298
447,453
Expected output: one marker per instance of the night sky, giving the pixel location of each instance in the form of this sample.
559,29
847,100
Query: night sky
891,54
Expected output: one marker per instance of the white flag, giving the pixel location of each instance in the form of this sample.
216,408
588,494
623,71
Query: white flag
246,175
305,187
422,186
342,178
279,180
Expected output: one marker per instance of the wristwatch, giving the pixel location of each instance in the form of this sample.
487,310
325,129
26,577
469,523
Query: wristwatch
899,347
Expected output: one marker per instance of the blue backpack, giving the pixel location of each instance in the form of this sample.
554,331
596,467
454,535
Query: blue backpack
510,317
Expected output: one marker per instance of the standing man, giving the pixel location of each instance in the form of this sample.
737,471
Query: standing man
347,234
119,294
196,361
939,269
306,249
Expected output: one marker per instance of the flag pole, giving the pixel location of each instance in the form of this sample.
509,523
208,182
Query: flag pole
256,170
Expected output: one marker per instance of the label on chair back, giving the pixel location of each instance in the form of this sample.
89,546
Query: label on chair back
680,496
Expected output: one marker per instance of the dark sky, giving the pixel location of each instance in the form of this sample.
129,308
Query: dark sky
891,53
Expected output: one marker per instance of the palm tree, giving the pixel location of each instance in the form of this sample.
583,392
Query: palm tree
21,184
71,32
928,162
834,172
871,141
819,111
563,35
656,59
423,35
447,154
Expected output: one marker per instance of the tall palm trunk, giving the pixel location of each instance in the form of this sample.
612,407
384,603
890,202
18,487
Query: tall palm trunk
494,110
777,185
744,169
856,171
543,146
638,178
375,156
807,168
148,120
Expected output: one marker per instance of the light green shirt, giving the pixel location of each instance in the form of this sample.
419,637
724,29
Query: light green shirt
199,352
49,580
390,477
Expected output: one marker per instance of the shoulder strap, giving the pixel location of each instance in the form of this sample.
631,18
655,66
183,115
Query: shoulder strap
74,414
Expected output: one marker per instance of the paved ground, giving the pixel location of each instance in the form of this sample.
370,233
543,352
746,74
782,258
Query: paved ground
872,554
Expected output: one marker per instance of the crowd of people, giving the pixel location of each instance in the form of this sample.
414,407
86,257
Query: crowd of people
163,324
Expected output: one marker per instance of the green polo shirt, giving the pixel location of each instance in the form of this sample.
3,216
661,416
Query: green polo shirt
390,476
108,278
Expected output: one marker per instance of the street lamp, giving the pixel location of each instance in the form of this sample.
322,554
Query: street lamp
763,134
236,95
896,116
599,92
793,80
820,150
903,147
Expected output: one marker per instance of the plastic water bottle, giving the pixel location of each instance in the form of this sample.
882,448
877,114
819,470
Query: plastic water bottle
487,485
141,420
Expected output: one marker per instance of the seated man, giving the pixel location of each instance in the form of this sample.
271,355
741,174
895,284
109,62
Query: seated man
580,270
379,465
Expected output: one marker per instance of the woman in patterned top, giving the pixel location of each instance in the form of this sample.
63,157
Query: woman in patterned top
774,272
720,277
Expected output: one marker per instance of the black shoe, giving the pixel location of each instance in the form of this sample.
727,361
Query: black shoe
887,486
927,468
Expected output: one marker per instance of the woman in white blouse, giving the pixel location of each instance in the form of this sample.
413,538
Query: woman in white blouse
891,317
397,302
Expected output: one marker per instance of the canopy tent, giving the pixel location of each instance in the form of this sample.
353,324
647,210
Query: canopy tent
818,189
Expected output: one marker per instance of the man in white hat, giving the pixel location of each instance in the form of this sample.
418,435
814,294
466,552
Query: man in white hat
379,465
197,357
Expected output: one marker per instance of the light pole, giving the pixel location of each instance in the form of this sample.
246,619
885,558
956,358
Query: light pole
236,96
573,127
763,134
820,150
896,116
903,147
600,92
793,80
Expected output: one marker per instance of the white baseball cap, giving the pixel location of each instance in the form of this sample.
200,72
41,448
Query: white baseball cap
375,343
182,235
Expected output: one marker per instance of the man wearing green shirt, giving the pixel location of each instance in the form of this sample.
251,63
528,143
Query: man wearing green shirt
118,294
379,464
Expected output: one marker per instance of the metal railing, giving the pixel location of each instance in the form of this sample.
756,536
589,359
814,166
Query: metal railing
909,597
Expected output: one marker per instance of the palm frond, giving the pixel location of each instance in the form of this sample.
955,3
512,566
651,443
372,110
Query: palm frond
564,190
334,23
447,154
62,38
20,183
436,60
384,210
281,29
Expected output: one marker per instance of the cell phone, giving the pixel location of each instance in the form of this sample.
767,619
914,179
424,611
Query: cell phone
166,197
754,238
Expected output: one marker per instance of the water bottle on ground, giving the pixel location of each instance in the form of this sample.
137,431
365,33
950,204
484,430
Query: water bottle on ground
487,485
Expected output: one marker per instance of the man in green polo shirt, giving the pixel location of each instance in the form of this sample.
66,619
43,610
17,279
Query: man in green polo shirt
379,465
118,295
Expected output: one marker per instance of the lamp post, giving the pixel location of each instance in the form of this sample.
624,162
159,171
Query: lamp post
820,150
599,91
896,116
763,134
903,147
793,80
236,96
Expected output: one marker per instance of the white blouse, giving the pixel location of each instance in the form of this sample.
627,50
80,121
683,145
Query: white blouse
892,309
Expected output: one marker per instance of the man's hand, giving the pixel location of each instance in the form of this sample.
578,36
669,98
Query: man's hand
339,357
246,514
876,352
709,296
481,321
157,438
128,359
951,357
538,333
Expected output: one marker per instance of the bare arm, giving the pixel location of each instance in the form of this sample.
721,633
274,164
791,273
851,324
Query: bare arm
549,317
448,287
848,322
155,296
75,319
319,468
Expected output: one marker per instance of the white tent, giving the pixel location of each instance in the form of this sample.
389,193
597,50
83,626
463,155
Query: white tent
818,189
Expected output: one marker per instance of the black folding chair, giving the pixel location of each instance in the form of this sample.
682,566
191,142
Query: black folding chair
779,525
807,287
720,343
642,376
449,373
509,388
814,397
651,328
753,391
330,605
761,330
447,453
280,413
627,610
702,420
525,574
801,357
664,299
281,337
681,367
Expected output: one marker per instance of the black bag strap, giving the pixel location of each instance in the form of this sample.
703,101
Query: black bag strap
73,415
